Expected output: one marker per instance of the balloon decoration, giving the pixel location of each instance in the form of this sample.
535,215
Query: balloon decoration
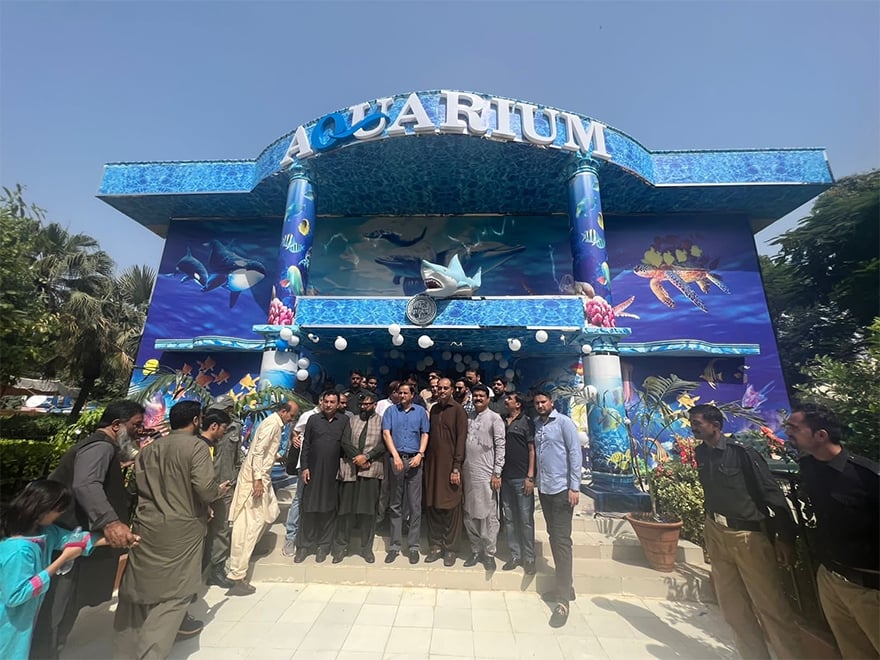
302,374
303,363
425,342
587,349
397,340
340,344
514,344
541,336
286,334
394,329
293,342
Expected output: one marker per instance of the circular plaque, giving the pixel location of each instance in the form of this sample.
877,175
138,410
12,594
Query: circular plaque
421,310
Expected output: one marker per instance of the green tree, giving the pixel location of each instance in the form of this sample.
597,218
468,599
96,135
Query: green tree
852,389
24,319
823,288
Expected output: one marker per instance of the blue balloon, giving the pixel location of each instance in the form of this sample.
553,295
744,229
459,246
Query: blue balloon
281,345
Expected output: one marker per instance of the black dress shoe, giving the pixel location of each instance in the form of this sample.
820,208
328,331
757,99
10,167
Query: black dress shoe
529,568
320,556
300,556
369,557
433,556
338,557
218,579
489,563
391,556
449,559
189,627
414,557
473,560
241,588
509,566
559,616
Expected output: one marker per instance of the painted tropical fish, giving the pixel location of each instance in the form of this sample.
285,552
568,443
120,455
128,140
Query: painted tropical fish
204,379
449,281
192,269
233,271
249,382
753,398
592,237
680,277
288,242
711,376
222,377
293,281
394,237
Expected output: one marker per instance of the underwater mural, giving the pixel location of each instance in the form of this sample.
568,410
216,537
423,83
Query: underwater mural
445,256
215,278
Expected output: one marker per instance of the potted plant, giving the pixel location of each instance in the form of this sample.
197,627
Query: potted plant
652,416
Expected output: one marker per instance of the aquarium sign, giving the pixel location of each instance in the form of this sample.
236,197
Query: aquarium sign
465,113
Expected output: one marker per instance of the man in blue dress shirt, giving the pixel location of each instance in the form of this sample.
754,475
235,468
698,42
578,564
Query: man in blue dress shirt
559,455
405,430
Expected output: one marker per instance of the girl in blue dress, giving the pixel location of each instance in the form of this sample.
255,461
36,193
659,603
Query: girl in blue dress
29,539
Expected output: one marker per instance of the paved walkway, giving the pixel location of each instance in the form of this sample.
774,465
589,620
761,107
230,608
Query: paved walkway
288,620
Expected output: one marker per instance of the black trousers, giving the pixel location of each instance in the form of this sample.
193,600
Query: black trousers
316,530
444,528
558,515
345,525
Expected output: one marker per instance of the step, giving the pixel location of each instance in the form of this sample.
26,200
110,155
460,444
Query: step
592,575
592,538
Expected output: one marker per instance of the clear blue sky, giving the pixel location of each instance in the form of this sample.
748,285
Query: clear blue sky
82,84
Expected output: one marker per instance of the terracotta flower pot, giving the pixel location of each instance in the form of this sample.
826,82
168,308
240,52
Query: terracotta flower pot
659,540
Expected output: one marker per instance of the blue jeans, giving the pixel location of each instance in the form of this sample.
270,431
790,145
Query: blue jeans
519,519
292,524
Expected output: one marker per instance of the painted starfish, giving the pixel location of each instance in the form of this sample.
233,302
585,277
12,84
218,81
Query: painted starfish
620,309
679,277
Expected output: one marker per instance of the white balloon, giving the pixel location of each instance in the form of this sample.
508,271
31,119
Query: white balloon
456,357
394,329
459,367
503,363
397,340
313,337
587,349
467,359
508,374
302,374
393,353
515,344
428,361
497,356
286,334
446,355
541,336
340,344
383,370
303,363
293,341
425,341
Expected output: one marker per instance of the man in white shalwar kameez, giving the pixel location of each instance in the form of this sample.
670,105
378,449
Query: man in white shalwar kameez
483,462
254,506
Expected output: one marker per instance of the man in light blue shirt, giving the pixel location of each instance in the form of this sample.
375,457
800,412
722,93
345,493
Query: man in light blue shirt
559,456
405,431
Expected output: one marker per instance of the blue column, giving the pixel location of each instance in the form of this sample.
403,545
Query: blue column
295,251
587,234
609,438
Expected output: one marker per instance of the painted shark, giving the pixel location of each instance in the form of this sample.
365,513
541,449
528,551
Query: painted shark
233,271
449,281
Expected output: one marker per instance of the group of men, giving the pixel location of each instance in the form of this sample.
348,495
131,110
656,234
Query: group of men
428,452
750,532
460,468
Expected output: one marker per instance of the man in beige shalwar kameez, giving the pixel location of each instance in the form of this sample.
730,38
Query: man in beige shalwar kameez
254,506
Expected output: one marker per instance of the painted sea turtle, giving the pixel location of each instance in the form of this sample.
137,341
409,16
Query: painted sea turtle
679,276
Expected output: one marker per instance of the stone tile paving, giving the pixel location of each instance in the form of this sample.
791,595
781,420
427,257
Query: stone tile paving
285,621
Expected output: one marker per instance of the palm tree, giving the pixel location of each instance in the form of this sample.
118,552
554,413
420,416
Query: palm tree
103,330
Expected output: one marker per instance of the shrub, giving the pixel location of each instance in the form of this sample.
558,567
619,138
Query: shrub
32,427
677,492
84,427
22,461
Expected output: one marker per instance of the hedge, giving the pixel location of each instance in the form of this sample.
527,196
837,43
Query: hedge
22,461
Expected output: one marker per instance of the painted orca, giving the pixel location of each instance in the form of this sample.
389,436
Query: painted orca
235,272
192,269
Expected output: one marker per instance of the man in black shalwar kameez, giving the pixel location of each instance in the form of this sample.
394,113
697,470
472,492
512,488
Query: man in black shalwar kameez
321,450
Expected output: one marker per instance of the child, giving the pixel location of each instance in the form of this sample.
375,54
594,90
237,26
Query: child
29,541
